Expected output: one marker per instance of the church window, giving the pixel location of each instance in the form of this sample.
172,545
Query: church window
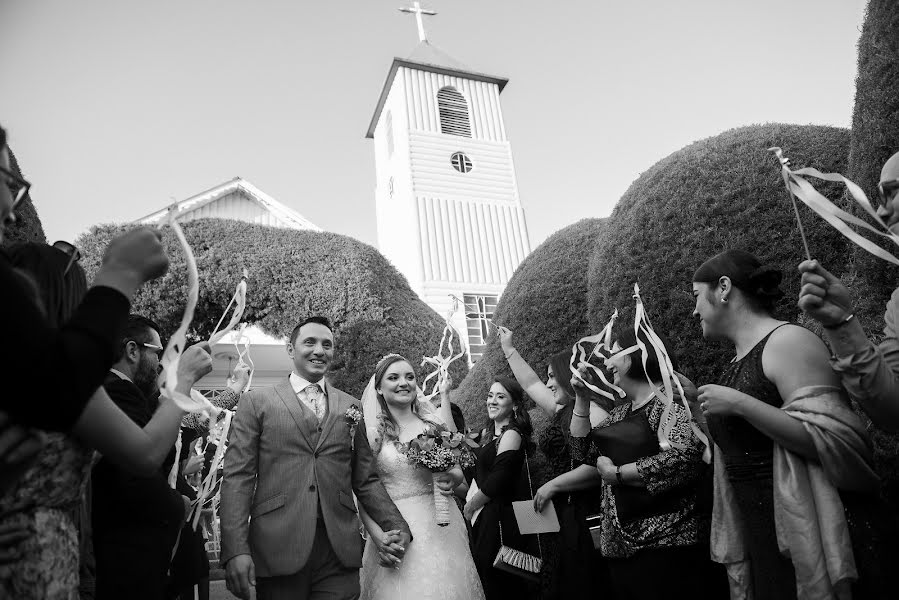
478,314
461,162
388,125
453,111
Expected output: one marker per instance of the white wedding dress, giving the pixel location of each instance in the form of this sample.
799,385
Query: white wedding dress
438,563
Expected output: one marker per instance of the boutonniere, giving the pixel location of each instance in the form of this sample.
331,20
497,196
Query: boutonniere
353,416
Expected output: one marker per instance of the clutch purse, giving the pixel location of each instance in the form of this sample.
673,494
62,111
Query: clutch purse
626,441
514,561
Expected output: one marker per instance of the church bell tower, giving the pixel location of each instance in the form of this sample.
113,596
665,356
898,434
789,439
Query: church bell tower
448,213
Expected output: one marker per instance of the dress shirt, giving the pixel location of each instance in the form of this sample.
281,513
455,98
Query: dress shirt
870,373
299,385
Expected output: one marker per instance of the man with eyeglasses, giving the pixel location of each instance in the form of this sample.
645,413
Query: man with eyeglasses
869,372
135,518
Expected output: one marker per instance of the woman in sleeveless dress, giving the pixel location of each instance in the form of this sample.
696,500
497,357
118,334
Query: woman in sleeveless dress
438,563
502,477
777,417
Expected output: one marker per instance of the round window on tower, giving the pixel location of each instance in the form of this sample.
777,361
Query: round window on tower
461,162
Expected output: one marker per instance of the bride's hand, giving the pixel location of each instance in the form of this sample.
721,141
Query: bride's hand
389,545
445,483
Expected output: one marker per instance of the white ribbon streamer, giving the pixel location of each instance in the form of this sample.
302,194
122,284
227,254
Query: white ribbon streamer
444,357
601,341
669,377
837,217
208,483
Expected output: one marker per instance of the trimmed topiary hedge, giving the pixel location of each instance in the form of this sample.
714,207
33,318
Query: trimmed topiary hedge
292,275
544,304
27,227
722,192
875,137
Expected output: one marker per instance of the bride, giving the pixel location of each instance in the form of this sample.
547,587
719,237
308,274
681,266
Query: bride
438,563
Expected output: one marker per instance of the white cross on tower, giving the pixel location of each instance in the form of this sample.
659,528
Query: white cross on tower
418,11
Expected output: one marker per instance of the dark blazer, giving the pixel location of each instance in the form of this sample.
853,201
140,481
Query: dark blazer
83,349
283,469
135,519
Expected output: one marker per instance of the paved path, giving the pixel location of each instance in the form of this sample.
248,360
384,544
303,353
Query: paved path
217,591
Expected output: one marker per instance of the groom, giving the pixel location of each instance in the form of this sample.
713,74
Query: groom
291,469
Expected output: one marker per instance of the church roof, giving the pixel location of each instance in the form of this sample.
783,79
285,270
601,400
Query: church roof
204,205
428,57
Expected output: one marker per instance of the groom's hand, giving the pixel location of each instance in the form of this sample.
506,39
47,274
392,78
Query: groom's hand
240,573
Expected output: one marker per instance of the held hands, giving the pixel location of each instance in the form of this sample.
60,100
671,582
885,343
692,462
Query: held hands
240,576
544,494
607,470
391,547
823,296
722,401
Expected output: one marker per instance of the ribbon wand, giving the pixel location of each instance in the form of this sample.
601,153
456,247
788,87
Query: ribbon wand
785,171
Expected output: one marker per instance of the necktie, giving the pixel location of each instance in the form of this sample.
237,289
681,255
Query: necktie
315,398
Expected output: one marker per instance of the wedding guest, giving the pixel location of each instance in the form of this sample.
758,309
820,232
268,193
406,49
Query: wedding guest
46,499
652,533
135,517
572,567
504,445
84,344
793,477
868,371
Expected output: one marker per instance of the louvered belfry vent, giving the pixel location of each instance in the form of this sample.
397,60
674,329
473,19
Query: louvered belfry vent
453,112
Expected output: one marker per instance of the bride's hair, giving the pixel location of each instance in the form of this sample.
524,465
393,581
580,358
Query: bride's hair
387,427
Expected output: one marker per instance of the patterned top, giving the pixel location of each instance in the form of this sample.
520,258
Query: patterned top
668,470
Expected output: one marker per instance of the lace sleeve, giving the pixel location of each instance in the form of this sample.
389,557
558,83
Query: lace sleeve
227,400
675,467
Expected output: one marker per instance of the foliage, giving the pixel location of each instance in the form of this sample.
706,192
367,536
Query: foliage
292,275
719,193
27,227
875,137
544,304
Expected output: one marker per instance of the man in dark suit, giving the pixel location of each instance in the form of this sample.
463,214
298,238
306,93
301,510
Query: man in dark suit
136,519
289,523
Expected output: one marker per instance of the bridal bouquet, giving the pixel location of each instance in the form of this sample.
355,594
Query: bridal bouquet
439,451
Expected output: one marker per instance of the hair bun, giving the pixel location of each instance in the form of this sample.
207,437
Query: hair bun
765,281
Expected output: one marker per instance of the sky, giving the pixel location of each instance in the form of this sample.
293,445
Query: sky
116,108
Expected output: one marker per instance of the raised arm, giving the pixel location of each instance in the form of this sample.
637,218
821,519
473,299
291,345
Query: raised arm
109,430
227,400
526,376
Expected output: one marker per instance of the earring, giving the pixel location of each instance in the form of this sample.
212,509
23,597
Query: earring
723,300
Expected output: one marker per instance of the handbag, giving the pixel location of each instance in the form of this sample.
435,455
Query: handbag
515,561
626,441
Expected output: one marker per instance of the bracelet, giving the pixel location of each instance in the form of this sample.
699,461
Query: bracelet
841,323
509,355
618,475
577,414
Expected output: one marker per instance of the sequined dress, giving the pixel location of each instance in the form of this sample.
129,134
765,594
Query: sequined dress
46,500
438,563
748,457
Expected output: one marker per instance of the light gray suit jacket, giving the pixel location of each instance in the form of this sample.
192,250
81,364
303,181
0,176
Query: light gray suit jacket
282,468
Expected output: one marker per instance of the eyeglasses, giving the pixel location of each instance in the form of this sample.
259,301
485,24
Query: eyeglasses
887,190
158,350
18,187
71,251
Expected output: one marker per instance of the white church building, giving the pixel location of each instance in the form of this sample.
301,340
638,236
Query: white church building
444,171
